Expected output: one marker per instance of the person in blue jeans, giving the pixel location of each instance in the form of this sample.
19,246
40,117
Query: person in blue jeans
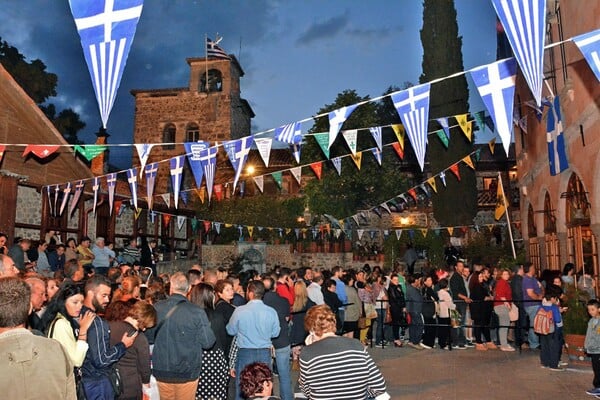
414,306
550,344
533,293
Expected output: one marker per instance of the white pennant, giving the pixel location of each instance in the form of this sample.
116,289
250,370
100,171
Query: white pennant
260,182
398,234
355,218
167,199
386,207
337,232
143,150
264,148
360,232
350,137
180,221
297,173
337,163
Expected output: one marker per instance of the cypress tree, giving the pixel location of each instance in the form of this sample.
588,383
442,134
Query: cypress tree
456,204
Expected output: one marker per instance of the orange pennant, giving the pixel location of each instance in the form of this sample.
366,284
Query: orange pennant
413,193
450,230
317,168
467,160
454,169
399,150
357,159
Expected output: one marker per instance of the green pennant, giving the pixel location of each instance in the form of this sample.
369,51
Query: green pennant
277,177
477,155
323,140
90,151
440,133
480,120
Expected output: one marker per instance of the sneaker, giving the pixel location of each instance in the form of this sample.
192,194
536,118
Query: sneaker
469,345
564,364
423,345
543,366
460,347
507,348
480,347
558,369
491,346
594,391
415,346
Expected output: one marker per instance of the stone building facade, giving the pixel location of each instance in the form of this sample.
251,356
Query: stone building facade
562,212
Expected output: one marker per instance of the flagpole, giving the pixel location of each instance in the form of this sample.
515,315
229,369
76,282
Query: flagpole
206,61
512,242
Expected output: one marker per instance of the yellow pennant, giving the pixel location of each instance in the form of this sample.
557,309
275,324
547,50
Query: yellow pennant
450,230
341,222
288,230
492,145
467,160
424,232
137,213
357,159
201,193
490,227
431,182
400,133
228,225
466,126
250,230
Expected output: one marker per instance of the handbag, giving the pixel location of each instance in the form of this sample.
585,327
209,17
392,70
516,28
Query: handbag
362,323
370,311
114,376
388,316
513,313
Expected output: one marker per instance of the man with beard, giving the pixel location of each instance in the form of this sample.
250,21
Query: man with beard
100,355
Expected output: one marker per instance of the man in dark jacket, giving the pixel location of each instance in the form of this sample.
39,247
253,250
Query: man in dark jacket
460,296
180,335
516,287
282,342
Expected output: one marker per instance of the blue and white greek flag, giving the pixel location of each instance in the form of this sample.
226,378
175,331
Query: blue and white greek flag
337,163
589,45
106,29
336,120
237,151
290,133
208,158
194,151
176,172
132,180
496,85
557,154
151,171
376,133
412,105
524,23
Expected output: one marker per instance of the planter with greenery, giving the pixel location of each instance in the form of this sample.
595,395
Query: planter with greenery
575,321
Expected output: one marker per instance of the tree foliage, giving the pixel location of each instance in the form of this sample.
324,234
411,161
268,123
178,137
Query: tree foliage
40,85
456,204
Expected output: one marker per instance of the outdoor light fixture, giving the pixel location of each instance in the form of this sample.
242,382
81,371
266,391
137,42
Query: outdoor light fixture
250,169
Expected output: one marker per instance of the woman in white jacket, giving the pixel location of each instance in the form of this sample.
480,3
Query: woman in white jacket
446,304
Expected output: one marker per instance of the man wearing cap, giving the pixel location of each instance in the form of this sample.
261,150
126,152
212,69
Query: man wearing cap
103,256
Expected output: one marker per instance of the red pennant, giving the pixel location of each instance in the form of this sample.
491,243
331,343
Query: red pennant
413,194
454,169
464,229
399,150
40,150
207,226
218,191
317,168
117,205
2,149
166,218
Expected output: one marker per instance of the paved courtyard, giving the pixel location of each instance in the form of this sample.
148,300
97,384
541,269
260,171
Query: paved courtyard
469,375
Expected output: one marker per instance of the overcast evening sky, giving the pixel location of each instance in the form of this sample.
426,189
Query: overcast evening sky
297,55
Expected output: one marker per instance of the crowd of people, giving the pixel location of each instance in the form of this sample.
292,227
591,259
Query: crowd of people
126,333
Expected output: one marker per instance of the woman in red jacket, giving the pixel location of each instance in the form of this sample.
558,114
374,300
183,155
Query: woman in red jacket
502,305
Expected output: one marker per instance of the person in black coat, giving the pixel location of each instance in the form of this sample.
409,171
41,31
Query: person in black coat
397,308
430,298
481,309
331,299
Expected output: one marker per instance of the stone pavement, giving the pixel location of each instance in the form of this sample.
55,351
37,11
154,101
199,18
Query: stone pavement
472,375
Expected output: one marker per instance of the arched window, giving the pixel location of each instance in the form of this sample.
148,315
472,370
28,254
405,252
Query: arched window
578,208
192,133
531,228
215,81
549,217
169,136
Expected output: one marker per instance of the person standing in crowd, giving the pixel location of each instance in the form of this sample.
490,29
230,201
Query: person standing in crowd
353,309
414,306
281,343
285,285
481,310
223,306
314,288
42,264
334,367
103,256
516,289
214,376
297,335
307,275
177,363
592,343
100,356
85,254
132,316
331,298
460,296
397,304
446,304
533,293
568,274
131,253
340,290
430,302
502,305
7,266
382,330
3,240
26,357
410,258
550,344
254,324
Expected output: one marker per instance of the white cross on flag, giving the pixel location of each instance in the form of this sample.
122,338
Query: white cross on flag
589,45
350,138
95,188
336,120
496,85
376,133
237,151
132,180
106,29
413,108
66,192
151,171
337,163
176,171
180,221
111,183
208,159
78,190
524,23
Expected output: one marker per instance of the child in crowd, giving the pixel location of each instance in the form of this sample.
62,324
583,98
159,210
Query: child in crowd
550,344
592,343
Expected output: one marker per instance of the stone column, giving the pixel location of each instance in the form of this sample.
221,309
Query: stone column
564,254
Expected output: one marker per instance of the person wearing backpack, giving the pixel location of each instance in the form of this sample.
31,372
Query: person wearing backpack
550,341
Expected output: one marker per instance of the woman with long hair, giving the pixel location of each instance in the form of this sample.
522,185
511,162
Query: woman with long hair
481,310
214,373
502,305
63,322
430,299
130,317
297,334
224,295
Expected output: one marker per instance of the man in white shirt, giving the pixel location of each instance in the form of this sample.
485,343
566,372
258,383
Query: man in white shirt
314,289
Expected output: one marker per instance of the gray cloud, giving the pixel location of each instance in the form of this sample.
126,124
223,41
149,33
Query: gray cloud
371,34
325,29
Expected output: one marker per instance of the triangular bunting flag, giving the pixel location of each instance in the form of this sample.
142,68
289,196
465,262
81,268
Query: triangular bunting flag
431,182
445,127
278,178
413,193
480,120
89,151
217,226
208,158
322,139
450,230
111,183
151,171
317,168
166,219
66,193
360,232
132,180
492,145
589,45
218,189
143,150
465,125
194,151
467,160
201,193
357,159
138,212
264,148
180,221
153,218
40,150
250,231
386,207
424,232
400,133
296,149
296,173
398,150
377,136
524,23
398,234
443,138
260,182
184,196
455,171
337,164
176,172
336,120
237,151
377,155
290,133
442,176
95,189
350,137
167,199
413,108
78,190
496,85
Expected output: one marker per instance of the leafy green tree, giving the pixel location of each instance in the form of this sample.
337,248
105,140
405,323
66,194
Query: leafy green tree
442,56
40,85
